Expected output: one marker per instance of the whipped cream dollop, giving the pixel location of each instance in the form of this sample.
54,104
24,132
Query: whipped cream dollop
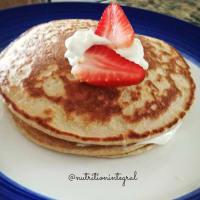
81,40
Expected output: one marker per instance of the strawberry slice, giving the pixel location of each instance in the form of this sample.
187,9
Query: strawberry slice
115,26
102,66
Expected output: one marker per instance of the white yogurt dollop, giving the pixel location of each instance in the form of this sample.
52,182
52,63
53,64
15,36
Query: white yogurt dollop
81,40
134,53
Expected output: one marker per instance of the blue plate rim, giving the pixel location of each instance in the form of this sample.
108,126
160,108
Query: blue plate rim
9,186
13,188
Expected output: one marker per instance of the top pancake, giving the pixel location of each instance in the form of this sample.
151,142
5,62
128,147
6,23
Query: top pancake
37,85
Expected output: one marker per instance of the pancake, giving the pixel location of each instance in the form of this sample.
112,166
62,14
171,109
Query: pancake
39,89
49,142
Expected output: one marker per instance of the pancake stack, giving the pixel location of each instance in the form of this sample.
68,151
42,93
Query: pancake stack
56,111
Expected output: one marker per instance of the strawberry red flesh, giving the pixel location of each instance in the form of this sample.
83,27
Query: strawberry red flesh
115,26
102,66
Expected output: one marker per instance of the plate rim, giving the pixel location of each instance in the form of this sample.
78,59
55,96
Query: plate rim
11,187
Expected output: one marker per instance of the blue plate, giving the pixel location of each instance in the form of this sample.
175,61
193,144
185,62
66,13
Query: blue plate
183,36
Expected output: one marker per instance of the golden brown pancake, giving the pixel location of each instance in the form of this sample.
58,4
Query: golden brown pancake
106,151
39,89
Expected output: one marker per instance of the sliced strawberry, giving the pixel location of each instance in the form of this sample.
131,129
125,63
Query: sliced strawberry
102,66
115,26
